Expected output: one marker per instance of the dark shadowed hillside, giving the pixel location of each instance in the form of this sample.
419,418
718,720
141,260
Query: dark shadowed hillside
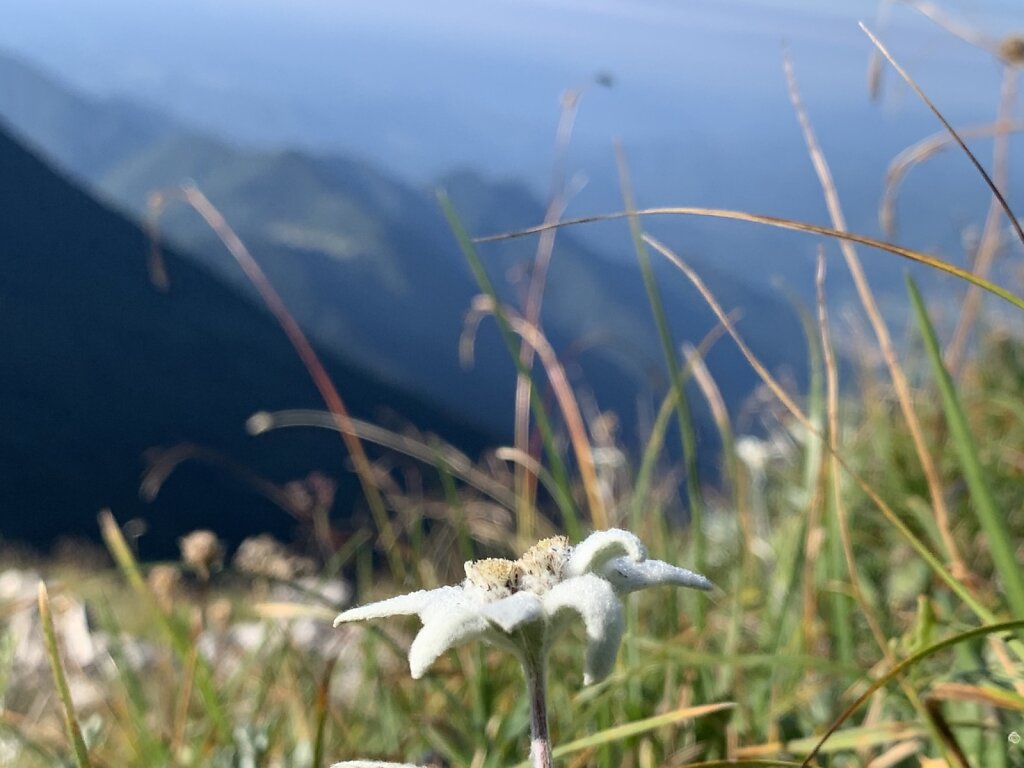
98,367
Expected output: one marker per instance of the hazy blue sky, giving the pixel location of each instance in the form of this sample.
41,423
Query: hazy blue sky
699,99
426,84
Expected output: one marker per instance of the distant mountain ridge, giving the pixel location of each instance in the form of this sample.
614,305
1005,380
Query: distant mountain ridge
370,268
98,367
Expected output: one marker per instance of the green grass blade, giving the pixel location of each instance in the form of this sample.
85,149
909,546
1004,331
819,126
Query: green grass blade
60,680
903,666
839,603
757,763
563,497
151,750
684,415
178,636
652,450
628,730
1000,541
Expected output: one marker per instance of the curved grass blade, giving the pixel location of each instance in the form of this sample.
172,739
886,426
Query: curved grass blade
684,414
958,588
878,734
878,324
438,451
952,131
778,222
1000,540
903,666
923,150
628,730
558,471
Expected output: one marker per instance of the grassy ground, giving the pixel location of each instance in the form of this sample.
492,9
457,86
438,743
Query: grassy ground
794,635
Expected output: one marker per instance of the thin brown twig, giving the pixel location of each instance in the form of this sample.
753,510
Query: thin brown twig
193,196
935,111
878,324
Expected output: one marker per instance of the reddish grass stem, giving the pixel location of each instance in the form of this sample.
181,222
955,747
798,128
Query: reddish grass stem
193,197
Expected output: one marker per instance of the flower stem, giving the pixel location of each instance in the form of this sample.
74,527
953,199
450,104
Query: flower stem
536,683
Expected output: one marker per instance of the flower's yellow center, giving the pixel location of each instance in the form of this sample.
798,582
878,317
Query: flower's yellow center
537,571
494,577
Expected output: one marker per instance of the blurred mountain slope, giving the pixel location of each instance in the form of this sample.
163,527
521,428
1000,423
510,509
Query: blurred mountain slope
370,268
98,367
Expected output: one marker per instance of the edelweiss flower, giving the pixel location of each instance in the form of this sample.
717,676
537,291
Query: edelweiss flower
523,604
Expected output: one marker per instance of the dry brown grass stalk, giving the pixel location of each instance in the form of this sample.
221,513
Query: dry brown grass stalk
778,222
526,481
567,403
878,325
695,365
431,453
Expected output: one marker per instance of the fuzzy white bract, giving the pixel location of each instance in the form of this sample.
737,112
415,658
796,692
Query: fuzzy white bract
522,605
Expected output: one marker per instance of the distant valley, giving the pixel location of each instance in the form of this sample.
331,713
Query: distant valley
365,261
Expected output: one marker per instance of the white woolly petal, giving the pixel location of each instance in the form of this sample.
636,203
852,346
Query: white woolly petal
372,764
628,576
402,605
444,629
513,611
600,547
595,601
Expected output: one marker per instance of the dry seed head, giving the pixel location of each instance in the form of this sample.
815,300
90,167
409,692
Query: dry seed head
494,577
202,552
1011,50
